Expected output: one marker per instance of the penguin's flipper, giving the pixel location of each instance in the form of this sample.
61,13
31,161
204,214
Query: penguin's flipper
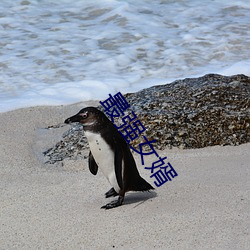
111,193
93,167
113,204
118,166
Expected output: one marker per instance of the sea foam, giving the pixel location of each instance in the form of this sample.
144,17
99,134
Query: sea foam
63,52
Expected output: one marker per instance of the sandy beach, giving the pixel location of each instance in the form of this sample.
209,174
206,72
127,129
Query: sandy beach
45,206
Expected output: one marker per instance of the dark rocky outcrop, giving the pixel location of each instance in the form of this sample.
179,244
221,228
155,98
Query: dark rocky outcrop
190,113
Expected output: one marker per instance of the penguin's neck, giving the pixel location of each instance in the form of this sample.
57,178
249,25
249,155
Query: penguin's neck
94,127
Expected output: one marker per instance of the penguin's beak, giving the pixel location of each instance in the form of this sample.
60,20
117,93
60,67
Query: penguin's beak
74,118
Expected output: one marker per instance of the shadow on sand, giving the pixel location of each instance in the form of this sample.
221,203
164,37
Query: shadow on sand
138,198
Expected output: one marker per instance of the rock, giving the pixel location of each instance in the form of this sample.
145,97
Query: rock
190,113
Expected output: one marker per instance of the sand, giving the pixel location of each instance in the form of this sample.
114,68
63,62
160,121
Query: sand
58,206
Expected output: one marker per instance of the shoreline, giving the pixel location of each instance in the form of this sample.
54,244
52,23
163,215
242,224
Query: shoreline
58,206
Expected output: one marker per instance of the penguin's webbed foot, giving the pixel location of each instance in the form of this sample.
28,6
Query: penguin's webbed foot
111,193
113,204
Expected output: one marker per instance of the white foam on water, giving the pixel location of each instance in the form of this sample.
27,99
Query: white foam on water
61,52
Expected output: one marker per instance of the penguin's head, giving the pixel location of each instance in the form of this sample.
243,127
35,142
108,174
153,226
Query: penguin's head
89,116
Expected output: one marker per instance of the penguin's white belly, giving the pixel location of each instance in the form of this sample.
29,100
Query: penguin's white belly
104,157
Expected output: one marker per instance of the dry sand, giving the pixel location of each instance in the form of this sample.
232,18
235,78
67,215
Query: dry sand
58,206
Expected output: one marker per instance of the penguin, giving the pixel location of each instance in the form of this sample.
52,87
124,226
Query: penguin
110,152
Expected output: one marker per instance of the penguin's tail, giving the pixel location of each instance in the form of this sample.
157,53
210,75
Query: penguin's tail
141,185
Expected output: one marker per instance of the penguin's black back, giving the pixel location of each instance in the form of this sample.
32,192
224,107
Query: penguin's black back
132,180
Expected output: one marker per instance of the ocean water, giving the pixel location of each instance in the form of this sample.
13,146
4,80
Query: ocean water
61,52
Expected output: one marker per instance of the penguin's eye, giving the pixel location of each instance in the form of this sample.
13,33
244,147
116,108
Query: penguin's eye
84,115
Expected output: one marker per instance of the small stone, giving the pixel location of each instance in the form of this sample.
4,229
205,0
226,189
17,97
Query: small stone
182,132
